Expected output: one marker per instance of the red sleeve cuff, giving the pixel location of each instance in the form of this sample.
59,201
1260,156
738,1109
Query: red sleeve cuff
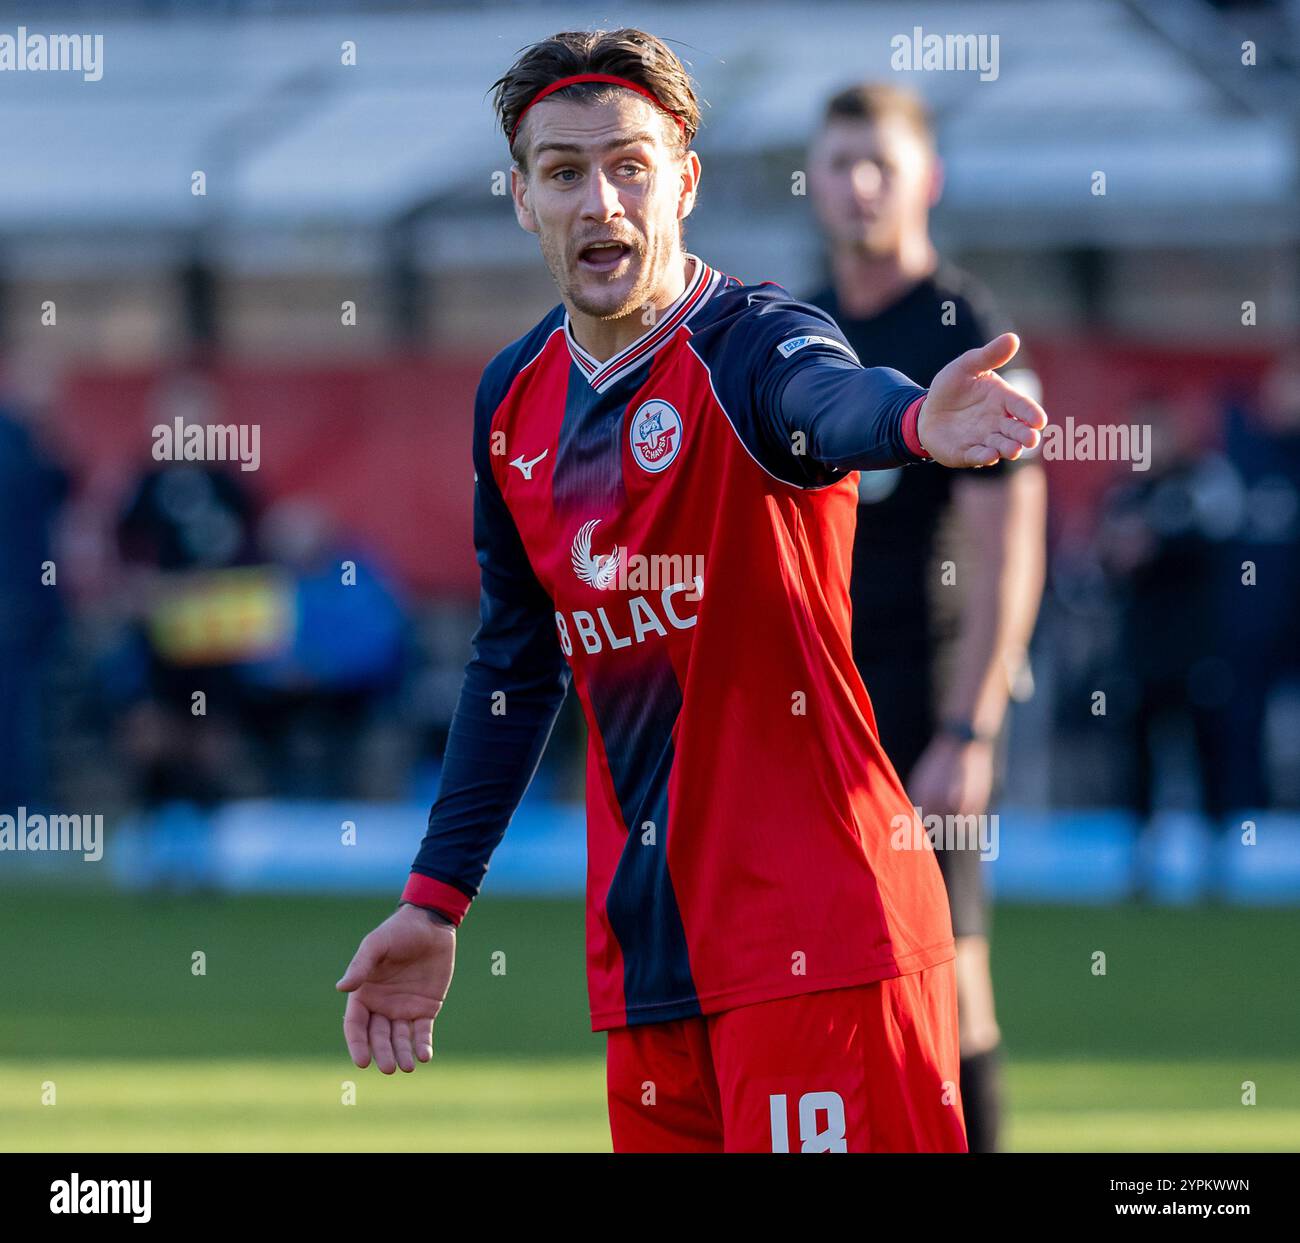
911,416
425,891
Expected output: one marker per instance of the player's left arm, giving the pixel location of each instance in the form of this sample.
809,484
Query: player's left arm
818,403
1002,525
972,416
810,412
969,417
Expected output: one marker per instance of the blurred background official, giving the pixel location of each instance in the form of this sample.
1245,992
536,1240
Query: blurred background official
873,176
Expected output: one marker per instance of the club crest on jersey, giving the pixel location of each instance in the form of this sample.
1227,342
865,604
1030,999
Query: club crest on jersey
656,435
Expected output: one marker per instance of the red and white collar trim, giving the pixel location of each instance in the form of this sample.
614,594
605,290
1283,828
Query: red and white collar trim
600,375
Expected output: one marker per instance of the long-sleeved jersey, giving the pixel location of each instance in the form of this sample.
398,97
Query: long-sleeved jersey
671,529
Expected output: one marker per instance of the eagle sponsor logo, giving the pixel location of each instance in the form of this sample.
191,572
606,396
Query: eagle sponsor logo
617,570
656,435
667,587
596,570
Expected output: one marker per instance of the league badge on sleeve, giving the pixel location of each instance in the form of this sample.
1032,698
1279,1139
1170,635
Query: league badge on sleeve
656,435
795,344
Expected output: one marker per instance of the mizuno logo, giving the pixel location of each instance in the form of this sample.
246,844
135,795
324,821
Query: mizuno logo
526,468
594,570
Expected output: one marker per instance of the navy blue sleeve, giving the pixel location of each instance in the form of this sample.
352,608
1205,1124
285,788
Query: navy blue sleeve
796,394
846,417
514,685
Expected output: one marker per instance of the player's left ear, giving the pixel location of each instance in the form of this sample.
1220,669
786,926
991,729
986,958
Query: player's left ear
519,193
690,185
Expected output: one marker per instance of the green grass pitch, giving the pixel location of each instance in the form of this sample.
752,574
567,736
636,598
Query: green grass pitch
100,1001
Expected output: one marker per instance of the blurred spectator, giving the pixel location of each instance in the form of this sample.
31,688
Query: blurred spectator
187,515
1161,541
181,522
309,704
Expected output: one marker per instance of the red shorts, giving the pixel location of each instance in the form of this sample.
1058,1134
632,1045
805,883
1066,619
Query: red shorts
868,1069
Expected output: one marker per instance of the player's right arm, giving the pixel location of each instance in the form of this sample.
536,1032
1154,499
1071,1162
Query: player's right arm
514,685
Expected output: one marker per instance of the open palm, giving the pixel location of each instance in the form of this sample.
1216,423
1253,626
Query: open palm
972,416
396,984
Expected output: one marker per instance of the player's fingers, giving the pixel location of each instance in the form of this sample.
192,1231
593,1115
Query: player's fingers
1002,349
1014,429
981,455
1005,445
381,1041
423,1039
402,1045
1023,408
356,1029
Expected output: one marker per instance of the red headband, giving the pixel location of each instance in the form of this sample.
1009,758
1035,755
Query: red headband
613,79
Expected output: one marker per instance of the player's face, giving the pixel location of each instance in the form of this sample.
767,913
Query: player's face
873,183
601,173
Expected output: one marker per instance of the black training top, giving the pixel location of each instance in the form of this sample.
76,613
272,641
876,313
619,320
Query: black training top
902,510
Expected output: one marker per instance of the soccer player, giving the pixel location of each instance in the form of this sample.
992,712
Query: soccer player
666,486
873,177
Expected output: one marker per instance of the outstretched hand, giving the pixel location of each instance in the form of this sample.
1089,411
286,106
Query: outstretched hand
396,984
972,416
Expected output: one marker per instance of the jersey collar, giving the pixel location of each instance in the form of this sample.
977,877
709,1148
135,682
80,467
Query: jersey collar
600,375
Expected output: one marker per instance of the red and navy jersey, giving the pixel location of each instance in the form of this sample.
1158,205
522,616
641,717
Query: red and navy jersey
671,531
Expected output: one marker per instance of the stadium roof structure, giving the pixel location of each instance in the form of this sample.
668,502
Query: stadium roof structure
292,141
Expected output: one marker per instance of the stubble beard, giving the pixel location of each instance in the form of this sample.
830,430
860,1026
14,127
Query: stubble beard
651,264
